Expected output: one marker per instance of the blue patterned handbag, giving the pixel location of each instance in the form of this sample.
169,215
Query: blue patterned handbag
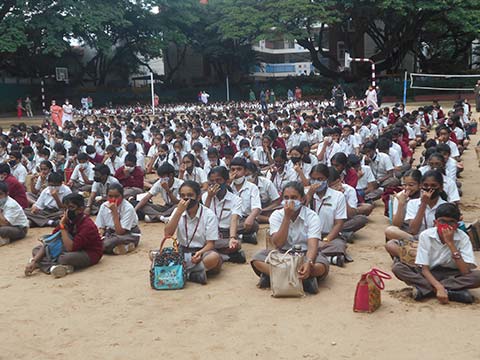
168,268
53,245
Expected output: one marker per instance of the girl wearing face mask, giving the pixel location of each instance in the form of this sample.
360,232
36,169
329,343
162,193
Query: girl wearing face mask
295,225
331,206
117,222
196,229
420,213
175,158
39,181
280,173
213,160
228,210
436,161
300,168
188,171
398,231
158,158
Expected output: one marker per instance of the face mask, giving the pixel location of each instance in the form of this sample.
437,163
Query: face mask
297,204
92,156
244,150
164,180
258,133
3,201
71,215
161,157
115,201
97,179
223,187
295,159
192,203
239,181
442,227
249,178
323,184
12,163
118,148
129,168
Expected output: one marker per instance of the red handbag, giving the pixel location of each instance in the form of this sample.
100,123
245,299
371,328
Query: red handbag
367,294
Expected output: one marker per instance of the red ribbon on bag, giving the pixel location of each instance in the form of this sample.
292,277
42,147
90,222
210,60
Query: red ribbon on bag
367,299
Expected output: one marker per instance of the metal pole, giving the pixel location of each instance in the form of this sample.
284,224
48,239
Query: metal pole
42,84
405,90
153,92
373,74
228,89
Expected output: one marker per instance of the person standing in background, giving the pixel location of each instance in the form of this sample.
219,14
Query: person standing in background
57,113
67,112
28,107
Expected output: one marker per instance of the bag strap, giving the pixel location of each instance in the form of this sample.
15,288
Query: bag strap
175,243
377,277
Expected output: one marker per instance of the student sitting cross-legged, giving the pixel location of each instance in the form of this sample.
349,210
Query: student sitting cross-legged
196,228
82,246
295,224
118,223
48,209
445,261
13,222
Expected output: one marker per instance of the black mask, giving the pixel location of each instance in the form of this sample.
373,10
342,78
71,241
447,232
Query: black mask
192,203
71,215
295,159
97,179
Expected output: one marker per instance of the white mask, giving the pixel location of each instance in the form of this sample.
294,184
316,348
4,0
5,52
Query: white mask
239,181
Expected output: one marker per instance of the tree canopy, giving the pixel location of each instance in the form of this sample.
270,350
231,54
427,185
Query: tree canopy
36,36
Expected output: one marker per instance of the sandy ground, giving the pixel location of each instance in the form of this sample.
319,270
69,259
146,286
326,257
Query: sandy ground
110,312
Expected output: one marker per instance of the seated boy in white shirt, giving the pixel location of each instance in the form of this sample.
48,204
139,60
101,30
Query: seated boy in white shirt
48,209
445,261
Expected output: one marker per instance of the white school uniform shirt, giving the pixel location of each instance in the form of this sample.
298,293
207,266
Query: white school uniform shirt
126,212
307,225
451,169
250,196
46,200
267,190
261,156
459,133
198,175
20,173
89,171
224,209
432,252
429,216
158,189
331,150
281,179
101,189
381,165
114,165
453,149
209,166
350,196
348,144
293,175
332,206
204,222
14,213
367,177
396,159
397,148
